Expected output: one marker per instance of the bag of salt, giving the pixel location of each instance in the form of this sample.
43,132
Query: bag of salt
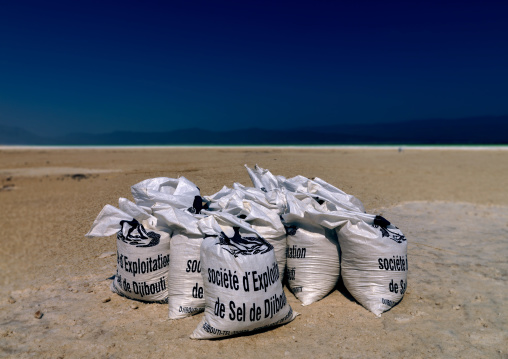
325,191
321,190
260,209
267,223
222,199
312,257
374,257
241,280
274,199
179,193
185,282
142,251
263,179
316,188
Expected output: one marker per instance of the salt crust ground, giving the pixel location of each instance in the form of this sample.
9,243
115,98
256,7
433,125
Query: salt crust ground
455,306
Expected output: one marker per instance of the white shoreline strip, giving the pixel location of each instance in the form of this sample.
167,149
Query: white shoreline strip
392,148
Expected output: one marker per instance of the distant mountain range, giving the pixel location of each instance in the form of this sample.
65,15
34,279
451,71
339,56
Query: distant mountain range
467,131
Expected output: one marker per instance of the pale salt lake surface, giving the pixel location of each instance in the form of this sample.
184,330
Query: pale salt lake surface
456,305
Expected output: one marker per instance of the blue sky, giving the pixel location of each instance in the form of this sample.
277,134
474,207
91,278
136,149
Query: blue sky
85,66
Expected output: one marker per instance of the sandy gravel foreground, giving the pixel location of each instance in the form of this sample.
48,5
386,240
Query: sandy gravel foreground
452,205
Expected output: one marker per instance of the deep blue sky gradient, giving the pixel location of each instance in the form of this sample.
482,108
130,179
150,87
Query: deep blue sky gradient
85,66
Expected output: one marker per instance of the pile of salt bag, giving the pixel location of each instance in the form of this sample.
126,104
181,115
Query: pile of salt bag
316,188
142,251
374,257
307,226
373,253
273,199
185,282
313,254
243,292
251,205
322,191
177,192
263,179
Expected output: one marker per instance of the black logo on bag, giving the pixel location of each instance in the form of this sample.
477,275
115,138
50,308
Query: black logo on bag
382,224
197,206
137,235
238,245
319,200
291,230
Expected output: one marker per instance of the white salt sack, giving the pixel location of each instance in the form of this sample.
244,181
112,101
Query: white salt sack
222,199
321,191
312,257
263,179
374,257
316,188
185,282
243,292
274,199
260,209
267,223
176,192
142,251
325,191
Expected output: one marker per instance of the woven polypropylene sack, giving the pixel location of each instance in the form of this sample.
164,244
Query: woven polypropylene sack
241,281
312,255
142,264
142,251
266,222
185,282
374,264
312,262
374,257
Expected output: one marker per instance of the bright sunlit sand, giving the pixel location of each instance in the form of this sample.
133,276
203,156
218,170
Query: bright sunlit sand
451,204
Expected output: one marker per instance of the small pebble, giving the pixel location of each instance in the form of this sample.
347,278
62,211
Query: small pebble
107,254
38,314
11,300
134,306
105,300
478,298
